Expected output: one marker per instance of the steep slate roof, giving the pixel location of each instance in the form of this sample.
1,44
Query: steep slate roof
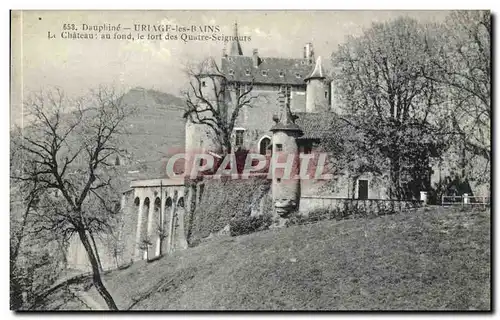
278,70
318,125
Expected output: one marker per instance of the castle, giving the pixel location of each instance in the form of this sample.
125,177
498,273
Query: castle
293,111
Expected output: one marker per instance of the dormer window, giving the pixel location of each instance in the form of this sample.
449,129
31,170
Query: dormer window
247,72
231,72
264,73
297,75
282,74
302,62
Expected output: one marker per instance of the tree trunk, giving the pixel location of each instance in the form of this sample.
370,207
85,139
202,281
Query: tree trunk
95,251
395,177
96,272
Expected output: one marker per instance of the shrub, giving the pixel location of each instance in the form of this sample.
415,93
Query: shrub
246,225
224,200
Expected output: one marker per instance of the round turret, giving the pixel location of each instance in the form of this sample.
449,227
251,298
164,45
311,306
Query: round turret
318,90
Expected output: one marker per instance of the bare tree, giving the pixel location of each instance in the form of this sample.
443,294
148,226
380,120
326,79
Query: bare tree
215,102
23,199
464,69
68,152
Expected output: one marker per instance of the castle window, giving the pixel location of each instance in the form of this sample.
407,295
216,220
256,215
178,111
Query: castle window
264,145
279,147
297,75
278,180
282,74
247,72
326,94
117,161
203,84
264,73
307,149
239,137
231,72
180,203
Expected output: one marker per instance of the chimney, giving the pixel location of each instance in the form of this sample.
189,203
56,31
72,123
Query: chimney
308,52
255,58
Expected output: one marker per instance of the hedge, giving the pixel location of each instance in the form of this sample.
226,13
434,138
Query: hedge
224,200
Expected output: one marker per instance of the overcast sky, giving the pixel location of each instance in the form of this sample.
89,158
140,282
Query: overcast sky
77,65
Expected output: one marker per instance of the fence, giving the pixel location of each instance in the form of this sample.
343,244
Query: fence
310,203
465,199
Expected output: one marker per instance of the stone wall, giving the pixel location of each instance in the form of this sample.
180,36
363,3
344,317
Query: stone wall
312,203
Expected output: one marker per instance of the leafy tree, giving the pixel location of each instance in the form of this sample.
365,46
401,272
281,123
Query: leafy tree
381,82
463,68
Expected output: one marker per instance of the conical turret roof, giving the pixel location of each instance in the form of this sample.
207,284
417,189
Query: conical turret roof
317,73
285,120
209,68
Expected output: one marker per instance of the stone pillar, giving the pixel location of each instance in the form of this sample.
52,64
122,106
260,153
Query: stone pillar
163,216
171,222
423,197
137,253
151,228
181,232
466,198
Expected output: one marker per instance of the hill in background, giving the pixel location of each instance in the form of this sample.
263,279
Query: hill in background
155,130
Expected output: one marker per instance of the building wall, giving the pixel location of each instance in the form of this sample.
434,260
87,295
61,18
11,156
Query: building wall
128,227
151,218
256,121
344,186
259,119
298,99
309,204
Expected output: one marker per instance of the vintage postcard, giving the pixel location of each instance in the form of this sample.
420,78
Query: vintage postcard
250,160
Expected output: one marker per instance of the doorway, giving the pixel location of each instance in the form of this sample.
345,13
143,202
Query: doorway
362,189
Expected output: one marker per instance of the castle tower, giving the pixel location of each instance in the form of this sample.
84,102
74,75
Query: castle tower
285,186
235,44
209,81
318,90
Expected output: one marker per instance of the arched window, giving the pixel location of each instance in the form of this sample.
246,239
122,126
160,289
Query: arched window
264,145
180,203
168,202
117,161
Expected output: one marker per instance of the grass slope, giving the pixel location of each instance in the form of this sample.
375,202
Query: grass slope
434,259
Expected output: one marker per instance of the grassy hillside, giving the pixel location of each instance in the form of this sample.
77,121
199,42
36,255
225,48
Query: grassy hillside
433,259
